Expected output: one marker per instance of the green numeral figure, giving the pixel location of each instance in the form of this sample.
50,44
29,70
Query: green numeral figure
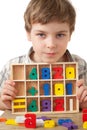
33,74
33,106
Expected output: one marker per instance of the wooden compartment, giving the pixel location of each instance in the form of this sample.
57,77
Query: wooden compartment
32,104
32,88
44,72
70,71
71,103
70,87
45,104
45,88
19,105
58,88
31,72
57,71
18,72
58,104
20,86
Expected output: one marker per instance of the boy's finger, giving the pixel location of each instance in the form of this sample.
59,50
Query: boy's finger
85,99
83,96
80,83
11,88
80,92
10,82
9,93
7,98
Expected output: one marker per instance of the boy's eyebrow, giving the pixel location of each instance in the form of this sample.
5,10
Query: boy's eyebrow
61,31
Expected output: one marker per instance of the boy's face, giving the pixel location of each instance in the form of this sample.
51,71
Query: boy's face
49,41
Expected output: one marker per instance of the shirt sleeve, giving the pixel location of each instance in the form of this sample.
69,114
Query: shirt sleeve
82,68
4,75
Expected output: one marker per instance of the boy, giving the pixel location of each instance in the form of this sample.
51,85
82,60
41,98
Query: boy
49,25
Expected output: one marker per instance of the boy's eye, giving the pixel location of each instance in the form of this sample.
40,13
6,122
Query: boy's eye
41,35
60,35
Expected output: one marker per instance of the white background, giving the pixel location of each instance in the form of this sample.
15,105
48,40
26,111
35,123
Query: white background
13,41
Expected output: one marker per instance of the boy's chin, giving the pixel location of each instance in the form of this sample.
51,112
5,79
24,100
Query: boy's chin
50,61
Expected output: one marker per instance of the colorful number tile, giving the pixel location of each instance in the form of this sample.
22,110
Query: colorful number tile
32,91
46,88
59,89
45,73
70,73
46,105
33,74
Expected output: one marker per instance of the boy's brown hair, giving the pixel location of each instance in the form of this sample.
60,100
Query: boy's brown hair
45,11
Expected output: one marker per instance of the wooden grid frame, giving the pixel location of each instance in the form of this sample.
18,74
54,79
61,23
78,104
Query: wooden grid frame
56,97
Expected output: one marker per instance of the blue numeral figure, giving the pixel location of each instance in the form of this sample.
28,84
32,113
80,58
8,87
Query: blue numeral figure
46,88
45,73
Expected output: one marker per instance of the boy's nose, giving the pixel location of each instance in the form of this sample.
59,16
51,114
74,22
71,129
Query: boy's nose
51,43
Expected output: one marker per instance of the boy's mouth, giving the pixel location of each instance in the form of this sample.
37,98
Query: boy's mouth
50,54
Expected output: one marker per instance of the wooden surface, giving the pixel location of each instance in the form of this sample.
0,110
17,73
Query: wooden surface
76,117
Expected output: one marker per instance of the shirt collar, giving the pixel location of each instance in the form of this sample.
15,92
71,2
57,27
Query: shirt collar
28,59
67,56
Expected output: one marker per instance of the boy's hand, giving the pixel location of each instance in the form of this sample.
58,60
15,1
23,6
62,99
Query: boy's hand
9,92
82,91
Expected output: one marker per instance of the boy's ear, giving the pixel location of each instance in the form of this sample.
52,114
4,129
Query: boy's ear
28,36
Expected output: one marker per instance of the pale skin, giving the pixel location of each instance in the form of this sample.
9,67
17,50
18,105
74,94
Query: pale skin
49,43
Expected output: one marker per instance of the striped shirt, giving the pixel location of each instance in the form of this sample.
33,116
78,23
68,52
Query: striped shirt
6,71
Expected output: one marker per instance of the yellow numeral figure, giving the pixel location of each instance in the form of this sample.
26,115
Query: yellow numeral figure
70,73
59,89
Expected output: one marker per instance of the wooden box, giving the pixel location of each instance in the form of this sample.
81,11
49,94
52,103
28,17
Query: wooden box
45,88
